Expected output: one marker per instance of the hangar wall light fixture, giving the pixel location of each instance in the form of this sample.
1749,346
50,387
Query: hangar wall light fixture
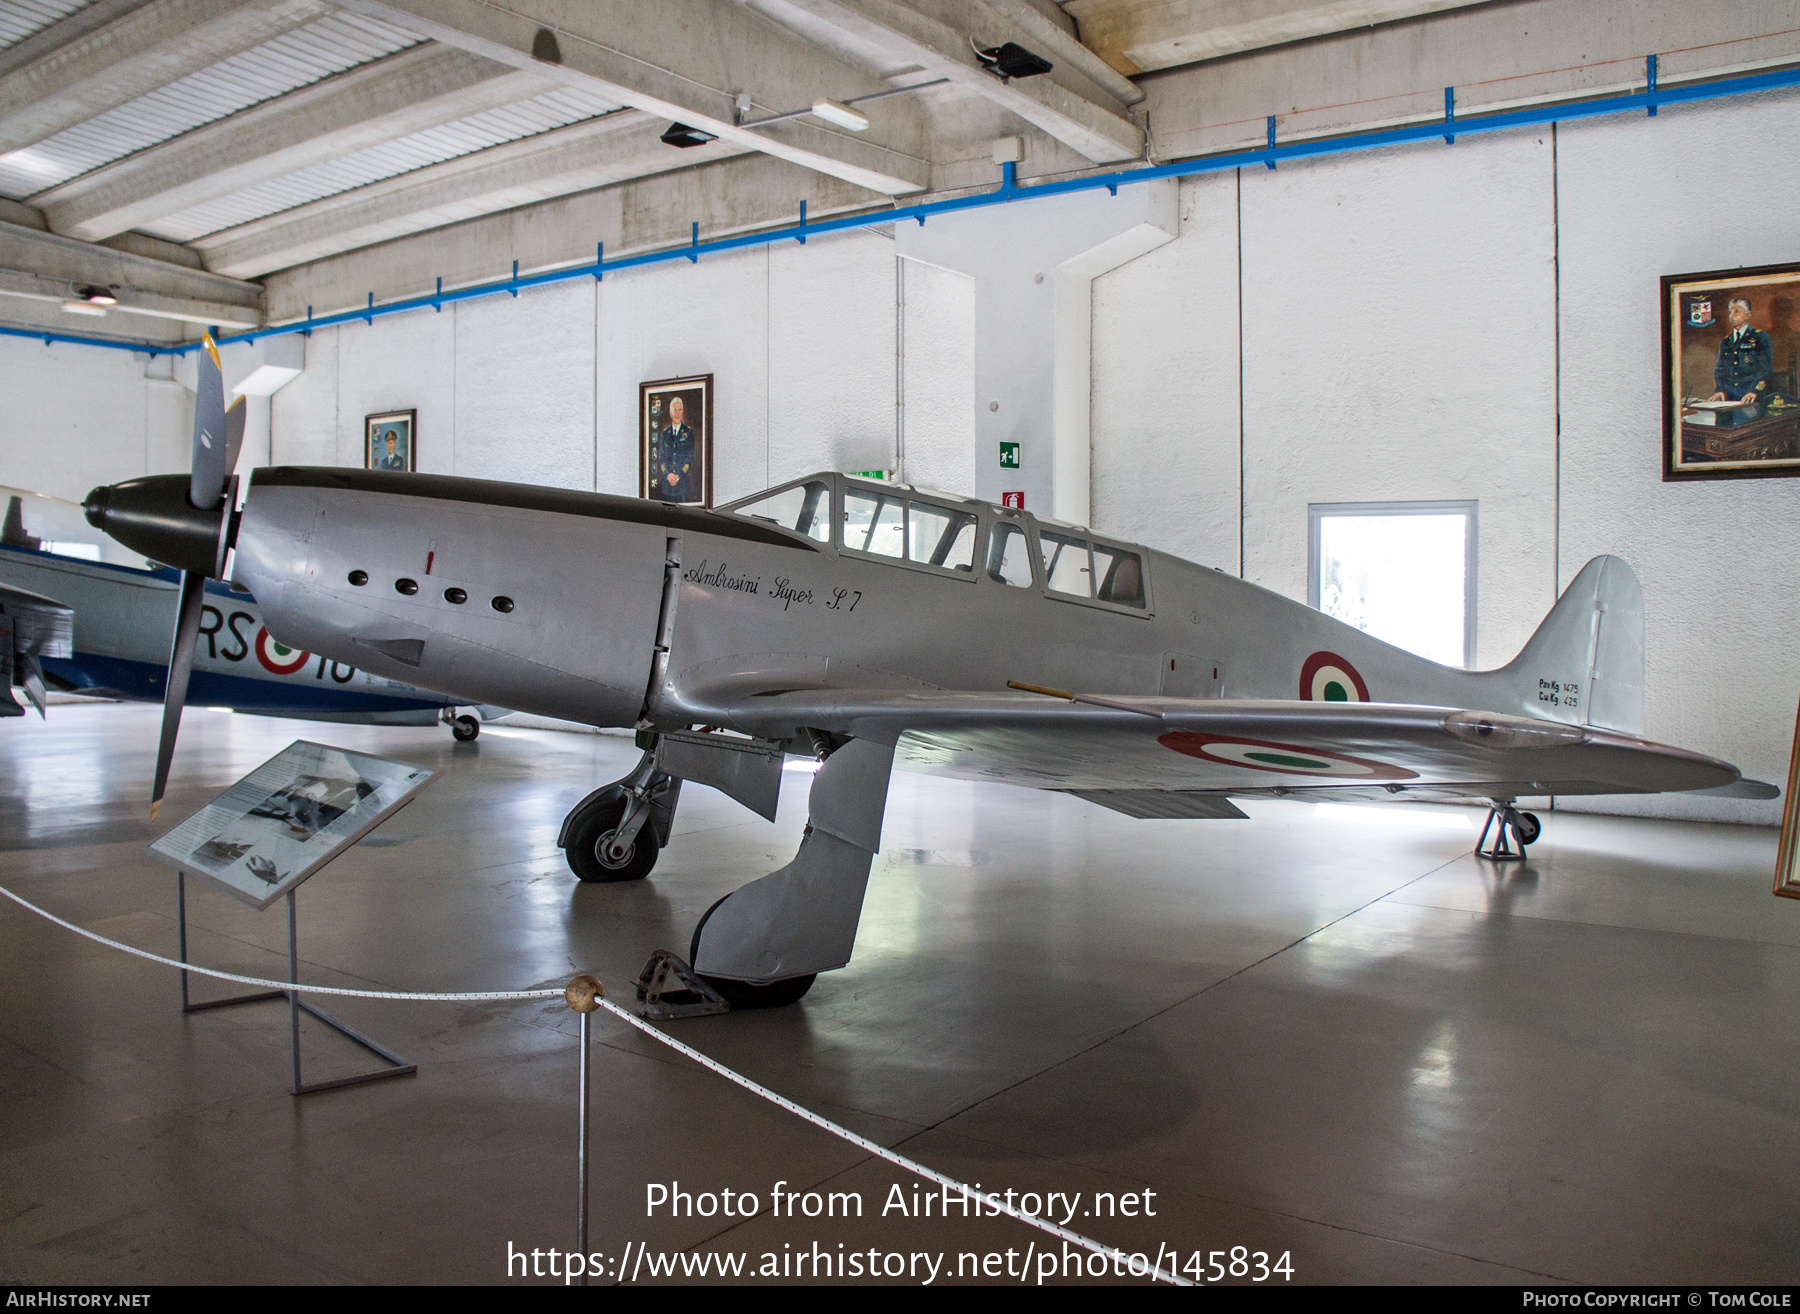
832,111
90,300
1008,192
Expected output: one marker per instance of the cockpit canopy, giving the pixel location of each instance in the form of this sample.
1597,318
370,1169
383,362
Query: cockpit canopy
950,535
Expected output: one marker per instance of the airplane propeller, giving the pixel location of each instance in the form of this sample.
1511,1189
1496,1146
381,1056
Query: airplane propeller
218,436
185,522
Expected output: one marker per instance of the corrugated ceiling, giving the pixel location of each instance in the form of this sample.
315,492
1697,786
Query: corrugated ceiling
20,18
554,109
274,68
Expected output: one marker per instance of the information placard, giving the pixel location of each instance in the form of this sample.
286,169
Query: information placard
288,818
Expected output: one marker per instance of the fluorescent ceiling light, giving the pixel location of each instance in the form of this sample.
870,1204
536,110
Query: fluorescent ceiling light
84,308
835,111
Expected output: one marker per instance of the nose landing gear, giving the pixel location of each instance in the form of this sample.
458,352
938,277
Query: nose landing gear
1523,826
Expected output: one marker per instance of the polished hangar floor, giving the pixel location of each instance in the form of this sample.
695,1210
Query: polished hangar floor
1330,1032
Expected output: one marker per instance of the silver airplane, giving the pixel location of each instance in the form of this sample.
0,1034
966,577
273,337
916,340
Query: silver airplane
126,608
863,623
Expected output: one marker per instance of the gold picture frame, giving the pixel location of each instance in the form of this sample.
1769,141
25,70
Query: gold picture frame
1731,373
1787,853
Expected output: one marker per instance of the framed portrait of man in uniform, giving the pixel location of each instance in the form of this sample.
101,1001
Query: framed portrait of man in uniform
675,440
390,441
1731,373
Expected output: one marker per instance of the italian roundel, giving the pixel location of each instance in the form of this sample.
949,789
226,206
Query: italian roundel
1326,677
1283,759
278,658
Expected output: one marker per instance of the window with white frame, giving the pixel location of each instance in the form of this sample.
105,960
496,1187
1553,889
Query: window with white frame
1403,572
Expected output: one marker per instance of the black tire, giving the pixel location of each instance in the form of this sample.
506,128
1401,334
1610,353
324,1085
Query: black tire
585,837
1526,828
744,995
465,728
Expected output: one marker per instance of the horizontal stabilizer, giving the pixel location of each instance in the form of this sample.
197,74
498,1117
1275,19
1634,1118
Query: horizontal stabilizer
1758,789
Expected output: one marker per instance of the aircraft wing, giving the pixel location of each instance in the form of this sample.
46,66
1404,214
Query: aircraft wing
1140,751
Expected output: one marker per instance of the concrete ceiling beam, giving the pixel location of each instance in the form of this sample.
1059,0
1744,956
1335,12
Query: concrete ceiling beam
617,148
629,52
132,301
415,89
1062,46
114,51
935,36
46,267
1134,37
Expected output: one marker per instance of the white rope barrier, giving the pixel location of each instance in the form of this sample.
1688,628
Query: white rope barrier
984,1201
987,1201
300,987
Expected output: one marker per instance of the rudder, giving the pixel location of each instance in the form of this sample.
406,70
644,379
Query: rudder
1588,654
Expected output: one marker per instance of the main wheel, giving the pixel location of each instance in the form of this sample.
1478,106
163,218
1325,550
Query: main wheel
1526,828
465,728
744,995
586,853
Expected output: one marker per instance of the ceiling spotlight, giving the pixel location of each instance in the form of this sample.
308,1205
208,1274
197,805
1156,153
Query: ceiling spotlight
679,134
84,308
1012,61
835,111
98,296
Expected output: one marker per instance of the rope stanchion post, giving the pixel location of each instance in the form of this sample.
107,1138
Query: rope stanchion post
583,995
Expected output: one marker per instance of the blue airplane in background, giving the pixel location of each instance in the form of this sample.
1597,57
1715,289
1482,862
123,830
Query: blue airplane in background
123,611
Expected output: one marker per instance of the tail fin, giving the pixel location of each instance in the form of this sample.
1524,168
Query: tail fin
1587,658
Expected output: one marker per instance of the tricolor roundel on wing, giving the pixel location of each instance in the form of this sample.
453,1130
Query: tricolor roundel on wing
277,658
1326,677
1283,759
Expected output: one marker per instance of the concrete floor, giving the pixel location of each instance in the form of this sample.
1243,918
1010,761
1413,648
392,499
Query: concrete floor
1326,1032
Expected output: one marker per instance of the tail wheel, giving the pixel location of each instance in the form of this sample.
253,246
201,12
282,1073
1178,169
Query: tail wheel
742,995
465,728
586,852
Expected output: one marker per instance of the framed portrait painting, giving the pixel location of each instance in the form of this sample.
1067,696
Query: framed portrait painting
390,441
675,438
1731,373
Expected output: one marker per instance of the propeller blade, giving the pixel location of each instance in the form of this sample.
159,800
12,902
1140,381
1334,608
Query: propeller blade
206,483
181,662
234,434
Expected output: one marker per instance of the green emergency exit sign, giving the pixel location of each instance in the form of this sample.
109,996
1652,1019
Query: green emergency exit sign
1009,456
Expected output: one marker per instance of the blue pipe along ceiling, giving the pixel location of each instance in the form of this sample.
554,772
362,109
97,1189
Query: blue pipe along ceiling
1008,192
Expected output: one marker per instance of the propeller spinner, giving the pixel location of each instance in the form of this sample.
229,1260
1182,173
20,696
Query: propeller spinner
186,523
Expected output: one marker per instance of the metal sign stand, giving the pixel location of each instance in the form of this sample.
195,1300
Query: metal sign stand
396,1066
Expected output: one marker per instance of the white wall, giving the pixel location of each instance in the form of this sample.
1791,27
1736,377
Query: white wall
75,416
543,388
1722,613
1165,390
